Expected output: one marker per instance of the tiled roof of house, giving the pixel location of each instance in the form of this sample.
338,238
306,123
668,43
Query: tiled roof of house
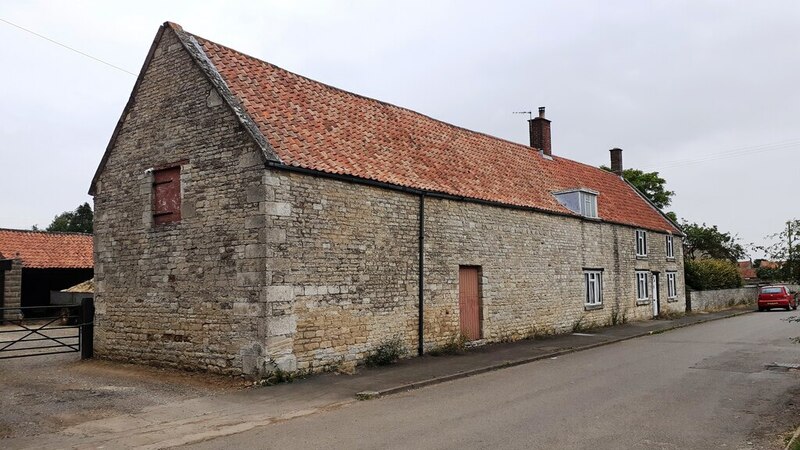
45,250
314,126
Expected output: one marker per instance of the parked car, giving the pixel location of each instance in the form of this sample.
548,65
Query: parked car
778,296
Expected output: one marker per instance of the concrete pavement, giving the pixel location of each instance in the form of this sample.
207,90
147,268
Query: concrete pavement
204,418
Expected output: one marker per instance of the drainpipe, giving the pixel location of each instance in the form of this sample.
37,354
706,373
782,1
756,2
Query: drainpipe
420,347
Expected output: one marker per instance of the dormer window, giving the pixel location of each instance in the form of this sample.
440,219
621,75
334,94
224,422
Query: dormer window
581,201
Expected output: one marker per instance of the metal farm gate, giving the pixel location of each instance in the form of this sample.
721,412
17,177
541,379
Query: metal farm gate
66,329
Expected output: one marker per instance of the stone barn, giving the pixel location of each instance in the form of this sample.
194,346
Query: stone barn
249,218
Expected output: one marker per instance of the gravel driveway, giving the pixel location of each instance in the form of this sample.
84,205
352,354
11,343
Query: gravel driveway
44,394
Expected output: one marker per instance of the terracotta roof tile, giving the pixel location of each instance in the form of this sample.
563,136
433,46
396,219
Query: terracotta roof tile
319,127
44,250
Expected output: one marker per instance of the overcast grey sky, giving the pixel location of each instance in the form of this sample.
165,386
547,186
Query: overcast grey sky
705,92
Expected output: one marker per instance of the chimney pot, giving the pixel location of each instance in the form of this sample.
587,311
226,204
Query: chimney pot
539,128
616,160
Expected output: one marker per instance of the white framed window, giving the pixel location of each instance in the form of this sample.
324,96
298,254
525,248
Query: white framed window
642,285
589,204
581,201
672,286
641,243
593,287
670,247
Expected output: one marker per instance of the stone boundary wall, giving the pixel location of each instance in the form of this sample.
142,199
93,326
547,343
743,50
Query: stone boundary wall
722,298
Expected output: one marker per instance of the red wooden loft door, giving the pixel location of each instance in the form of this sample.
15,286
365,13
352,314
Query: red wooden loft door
469,302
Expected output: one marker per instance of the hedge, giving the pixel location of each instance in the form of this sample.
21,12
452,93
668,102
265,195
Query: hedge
705,274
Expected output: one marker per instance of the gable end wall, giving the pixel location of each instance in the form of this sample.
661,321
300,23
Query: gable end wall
189,294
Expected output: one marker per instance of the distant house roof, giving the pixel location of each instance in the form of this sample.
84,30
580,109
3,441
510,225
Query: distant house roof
746,270
306,124
764,264
46,250
85,287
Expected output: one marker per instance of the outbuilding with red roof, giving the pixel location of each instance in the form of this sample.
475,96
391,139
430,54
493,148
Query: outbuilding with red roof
248,218
34,263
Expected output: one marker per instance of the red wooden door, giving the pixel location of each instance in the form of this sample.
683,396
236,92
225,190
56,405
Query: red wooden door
469,302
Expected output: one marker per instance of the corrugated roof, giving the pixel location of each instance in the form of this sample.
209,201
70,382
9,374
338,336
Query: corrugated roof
47,250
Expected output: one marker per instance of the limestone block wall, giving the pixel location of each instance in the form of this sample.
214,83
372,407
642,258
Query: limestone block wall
12,289
532,270
187,294
342,261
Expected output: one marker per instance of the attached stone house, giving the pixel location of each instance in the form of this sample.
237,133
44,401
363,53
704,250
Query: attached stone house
249,218
35,263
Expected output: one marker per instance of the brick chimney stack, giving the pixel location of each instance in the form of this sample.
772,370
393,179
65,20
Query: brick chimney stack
540,133
616,161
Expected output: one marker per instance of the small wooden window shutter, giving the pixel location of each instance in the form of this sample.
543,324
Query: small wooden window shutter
167,195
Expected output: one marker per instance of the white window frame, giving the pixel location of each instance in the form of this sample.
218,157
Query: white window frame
641,243
670,247
642,285
589,211
593,287
587,202
672,285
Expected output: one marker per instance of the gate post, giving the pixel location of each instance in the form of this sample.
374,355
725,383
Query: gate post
87,328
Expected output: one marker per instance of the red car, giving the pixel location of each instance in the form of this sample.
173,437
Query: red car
776,297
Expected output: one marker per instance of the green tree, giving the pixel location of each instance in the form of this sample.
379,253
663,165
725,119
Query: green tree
770,274
80,220
786,250
650,184
703,241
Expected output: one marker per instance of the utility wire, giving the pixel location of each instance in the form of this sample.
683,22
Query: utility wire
733,153
67,47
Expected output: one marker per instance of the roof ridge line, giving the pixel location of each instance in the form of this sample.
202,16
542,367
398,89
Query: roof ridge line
72,233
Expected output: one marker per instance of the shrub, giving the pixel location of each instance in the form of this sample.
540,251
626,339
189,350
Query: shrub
704,274
386,353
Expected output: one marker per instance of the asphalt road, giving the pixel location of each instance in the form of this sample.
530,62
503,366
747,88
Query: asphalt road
700,387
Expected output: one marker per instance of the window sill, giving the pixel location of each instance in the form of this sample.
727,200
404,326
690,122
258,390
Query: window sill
641,257
672,300
592,307
643,302
670,259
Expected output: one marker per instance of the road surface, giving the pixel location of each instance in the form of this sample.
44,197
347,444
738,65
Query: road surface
701,387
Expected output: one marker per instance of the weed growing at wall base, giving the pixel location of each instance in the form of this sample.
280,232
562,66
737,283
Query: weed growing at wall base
386,353
455,347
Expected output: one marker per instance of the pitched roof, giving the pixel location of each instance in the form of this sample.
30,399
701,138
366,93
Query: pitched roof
85,287
47,250
304,123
